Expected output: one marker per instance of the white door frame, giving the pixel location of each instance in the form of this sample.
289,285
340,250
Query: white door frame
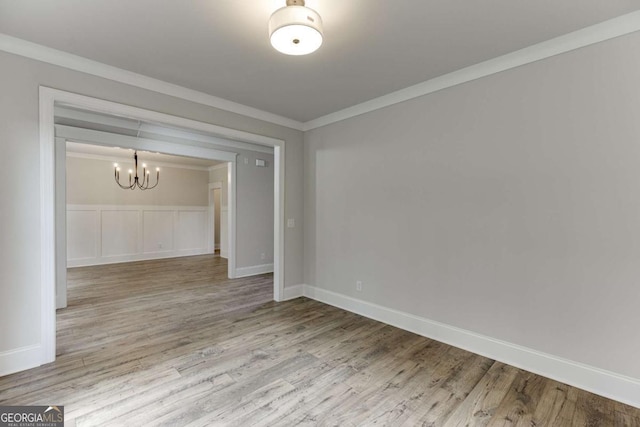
50,97
212,212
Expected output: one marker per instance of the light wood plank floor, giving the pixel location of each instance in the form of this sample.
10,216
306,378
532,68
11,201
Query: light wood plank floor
175,343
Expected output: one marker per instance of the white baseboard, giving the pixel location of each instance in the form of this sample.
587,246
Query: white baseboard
20,359
253,270
85,262
599,381
292,292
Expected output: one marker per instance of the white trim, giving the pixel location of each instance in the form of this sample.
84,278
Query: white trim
217,167
47,231
118,259
78,63
177,133
231,219
293,292
77,207
599,381
142,128
75,134
212,217
61,221
49,97
224,253
616,27
129,159
254,270
278,223
19,359
75,100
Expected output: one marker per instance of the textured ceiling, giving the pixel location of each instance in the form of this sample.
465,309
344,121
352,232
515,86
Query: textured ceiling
372,47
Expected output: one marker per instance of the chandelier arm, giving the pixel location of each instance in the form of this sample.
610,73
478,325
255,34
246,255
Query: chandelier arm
156,184
124,187
135,181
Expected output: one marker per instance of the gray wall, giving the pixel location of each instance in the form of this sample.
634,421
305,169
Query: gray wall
20,202
254,206
508,206
90,182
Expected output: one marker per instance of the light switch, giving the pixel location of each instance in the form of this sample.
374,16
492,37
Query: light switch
291,223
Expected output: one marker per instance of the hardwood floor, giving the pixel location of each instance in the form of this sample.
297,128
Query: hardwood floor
176,343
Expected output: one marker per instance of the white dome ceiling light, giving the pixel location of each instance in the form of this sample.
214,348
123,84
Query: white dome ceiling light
295,29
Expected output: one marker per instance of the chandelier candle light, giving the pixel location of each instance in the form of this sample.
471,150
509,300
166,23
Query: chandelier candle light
134,181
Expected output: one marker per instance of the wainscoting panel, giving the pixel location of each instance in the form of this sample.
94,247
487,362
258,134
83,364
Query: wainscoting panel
189,229
158,231
119,230
98,234
82,234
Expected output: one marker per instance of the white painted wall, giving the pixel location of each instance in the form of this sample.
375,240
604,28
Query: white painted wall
511,206
19,213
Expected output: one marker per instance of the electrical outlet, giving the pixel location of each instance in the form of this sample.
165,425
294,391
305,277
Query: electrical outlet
159,245
291,223
359,286
262,256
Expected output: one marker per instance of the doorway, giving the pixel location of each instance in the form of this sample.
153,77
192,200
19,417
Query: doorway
52,228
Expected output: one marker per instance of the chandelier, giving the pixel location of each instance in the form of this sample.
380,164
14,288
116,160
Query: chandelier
135,181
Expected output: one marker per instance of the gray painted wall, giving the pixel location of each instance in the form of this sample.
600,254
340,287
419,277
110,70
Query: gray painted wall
254,205
507,206
90,182
20,203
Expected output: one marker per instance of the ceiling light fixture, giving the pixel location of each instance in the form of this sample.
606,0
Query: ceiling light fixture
135,182
295,29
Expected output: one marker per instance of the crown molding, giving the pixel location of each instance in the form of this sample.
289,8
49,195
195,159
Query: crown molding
606,30
60,58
